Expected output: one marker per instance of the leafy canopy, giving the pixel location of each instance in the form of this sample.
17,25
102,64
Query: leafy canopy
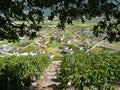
23,17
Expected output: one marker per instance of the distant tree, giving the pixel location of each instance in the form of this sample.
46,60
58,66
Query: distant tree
16,15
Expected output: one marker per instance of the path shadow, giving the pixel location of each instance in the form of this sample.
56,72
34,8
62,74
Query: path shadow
53,86
55,80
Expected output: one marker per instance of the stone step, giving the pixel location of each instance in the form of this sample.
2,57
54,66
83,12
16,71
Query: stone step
48,79
50,73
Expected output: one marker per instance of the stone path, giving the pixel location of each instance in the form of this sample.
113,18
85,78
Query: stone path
48,79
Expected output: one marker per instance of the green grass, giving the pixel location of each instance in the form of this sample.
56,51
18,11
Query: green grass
54,44
16,43
67,33
29,49
116,43
4,42
25,44
22,43
78,25
97,49
74,43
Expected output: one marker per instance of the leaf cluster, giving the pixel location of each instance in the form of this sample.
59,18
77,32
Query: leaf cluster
32,11
17,73
101,71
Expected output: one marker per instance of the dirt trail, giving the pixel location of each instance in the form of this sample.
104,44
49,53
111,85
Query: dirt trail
48,79
110,46
106,45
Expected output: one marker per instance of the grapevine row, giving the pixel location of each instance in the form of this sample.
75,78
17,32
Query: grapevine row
17,73
92,71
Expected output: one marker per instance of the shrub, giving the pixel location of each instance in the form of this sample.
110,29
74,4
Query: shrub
16,73
101,71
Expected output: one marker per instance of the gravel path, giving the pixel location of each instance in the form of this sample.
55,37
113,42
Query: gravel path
48,79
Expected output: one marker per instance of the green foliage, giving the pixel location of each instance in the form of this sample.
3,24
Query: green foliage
19,72
4,42
28,49
23,43
97,50
16,43
101,71
116,43
54,44
30,14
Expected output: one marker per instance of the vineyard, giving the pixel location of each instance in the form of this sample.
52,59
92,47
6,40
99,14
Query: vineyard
88,62
17,73
86,71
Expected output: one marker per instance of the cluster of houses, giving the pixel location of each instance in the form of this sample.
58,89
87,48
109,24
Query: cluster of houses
58,36
5,48
42,43
76,36
65,50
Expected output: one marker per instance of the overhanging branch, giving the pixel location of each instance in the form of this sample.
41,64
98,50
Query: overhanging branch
117,2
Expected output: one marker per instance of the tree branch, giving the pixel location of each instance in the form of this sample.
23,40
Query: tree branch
117,2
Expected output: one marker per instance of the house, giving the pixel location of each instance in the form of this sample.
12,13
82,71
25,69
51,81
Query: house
63,47
78,37
58,37
6,48
43,46
68,41
67,51
51,56
15,53
35,52
81,46
24,54
16,48
61,38
42,43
